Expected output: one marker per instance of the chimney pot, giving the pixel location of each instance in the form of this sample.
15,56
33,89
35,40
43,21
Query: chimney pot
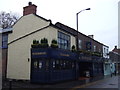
116,47
91,36
30,3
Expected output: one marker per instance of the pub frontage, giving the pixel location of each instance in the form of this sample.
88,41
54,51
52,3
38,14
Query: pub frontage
50,65
90,66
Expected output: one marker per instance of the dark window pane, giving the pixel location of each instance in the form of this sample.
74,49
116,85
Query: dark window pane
63,40
35,64
40,64
5,38
47,65
4,44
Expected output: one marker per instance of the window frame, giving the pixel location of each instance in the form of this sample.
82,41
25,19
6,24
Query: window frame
64,40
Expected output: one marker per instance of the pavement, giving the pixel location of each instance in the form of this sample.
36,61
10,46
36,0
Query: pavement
106,83
97,82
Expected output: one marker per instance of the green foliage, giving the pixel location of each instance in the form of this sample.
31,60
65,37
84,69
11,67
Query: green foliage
44,40
73,48
54,43
44,43
90,53
97,54
37,44
85,52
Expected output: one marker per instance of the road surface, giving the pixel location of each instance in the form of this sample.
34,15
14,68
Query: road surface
111,82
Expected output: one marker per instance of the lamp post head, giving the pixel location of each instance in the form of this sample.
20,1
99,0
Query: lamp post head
82,10
87,9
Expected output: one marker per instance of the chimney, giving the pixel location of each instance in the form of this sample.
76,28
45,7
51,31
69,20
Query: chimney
115,47
91,36
30,9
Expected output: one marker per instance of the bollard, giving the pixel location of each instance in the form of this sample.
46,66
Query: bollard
10,84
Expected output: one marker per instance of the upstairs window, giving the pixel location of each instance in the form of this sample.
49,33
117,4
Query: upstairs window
80,44
4,41
63,41
94,48
88,46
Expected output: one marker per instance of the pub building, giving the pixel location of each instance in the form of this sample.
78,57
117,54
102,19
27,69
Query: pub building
42,52
52,65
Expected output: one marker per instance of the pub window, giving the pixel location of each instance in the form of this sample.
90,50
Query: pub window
40,65
80,44
4,41
35,64
63,41
67,65
88,46
47,65
73,65
53,64
94,48
70,65
57,66
64,64
61,64
99,50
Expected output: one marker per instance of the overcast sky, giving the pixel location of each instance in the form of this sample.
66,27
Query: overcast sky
101,20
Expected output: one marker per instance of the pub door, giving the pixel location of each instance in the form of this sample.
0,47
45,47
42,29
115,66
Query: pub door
85,69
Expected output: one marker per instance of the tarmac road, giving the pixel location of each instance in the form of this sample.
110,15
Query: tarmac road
112,82
109,82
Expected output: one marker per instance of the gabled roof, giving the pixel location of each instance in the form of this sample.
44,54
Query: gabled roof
42,17
34,15
64,28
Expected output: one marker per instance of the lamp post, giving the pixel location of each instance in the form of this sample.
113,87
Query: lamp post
77,38
77,25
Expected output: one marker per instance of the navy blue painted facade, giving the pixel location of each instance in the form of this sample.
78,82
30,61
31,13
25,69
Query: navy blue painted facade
51,65
93,64
53,53
61,65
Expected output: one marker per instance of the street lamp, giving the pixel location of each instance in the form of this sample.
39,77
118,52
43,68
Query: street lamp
77,35
77,24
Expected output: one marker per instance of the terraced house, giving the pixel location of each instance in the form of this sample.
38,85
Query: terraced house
42,52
